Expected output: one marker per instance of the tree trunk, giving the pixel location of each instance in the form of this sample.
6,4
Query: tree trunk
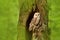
26,12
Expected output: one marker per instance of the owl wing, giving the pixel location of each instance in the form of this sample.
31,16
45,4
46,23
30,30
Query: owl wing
34,20
32,24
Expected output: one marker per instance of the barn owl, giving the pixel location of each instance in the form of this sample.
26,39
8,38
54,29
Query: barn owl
34,22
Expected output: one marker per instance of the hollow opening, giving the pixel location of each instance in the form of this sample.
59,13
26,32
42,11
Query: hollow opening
30,16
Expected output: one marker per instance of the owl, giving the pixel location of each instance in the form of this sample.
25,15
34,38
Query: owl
34,22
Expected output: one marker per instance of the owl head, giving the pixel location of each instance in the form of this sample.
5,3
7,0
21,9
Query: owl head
37,14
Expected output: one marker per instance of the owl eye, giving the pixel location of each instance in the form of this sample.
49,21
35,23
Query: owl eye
35,15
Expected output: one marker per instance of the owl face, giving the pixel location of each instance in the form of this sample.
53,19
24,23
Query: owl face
36,15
